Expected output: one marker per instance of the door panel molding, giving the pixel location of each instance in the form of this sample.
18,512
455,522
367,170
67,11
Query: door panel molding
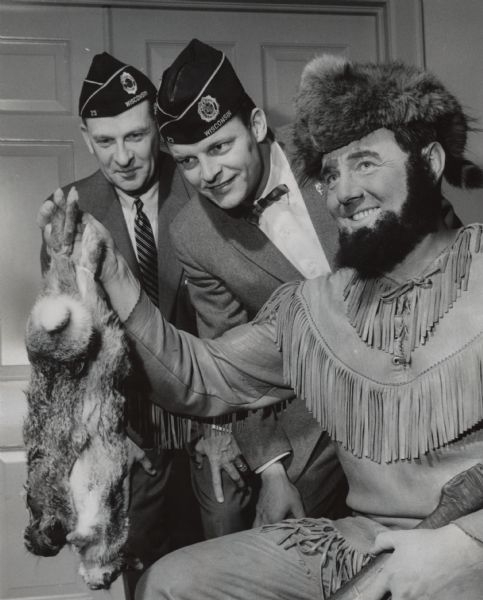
399,24
33,56
338,6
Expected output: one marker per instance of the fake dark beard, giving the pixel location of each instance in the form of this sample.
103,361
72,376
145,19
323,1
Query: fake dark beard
373,251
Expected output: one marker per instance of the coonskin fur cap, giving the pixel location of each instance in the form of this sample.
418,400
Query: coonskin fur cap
339,102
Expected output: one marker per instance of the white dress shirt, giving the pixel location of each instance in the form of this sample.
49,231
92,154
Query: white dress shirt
287,223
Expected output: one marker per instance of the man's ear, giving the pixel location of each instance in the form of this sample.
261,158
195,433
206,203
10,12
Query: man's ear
85,135
436,158
258,124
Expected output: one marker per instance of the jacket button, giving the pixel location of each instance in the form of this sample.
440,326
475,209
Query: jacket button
399,361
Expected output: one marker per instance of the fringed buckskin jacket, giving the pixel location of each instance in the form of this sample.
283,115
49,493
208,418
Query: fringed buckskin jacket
393,371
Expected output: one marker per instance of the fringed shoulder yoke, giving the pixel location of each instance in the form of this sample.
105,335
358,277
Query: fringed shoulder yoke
390,370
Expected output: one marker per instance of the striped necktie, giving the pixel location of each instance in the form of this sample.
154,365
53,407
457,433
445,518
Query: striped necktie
146,251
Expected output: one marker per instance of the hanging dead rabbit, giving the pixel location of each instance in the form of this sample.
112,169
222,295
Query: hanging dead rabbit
78,455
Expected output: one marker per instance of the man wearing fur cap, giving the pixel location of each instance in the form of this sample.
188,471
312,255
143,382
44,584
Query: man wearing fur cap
391,366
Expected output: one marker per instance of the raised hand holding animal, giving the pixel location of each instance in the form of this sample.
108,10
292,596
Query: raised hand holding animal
78,454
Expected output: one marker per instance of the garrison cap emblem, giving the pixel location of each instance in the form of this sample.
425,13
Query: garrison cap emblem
128,83
208,108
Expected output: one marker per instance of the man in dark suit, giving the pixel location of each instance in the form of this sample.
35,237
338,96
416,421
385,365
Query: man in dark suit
250,228
118,125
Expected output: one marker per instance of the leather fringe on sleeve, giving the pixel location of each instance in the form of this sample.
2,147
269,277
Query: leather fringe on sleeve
164,430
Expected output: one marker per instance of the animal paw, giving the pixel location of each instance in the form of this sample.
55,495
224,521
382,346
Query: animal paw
98,577
44,538
92,249
58,219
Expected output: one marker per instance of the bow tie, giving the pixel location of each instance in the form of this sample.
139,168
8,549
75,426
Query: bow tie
256,210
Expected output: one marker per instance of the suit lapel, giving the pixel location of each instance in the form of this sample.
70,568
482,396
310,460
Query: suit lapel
172,196
252,243
115,217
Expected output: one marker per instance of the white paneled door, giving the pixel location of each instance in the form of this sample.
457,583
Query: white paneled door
267,49
44,55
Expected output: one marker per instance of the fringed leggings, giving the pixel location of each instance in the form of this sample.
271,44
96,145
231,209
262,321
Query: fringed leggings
297,559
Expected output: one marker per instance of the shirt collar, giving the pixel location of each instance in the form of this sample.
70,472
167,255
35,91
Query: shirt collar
149,198
265,153
278,165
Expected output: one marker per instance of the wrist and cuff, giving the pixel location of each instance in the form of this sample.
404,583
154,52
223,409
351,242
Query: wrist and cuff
124,292
276,459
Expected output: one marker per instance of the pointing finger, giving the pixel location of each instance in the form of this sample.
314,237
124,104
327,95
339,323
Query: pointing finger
216,482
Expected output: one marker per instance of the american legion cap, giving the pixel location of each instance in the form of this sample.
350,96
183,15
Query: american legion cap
199,93
112,87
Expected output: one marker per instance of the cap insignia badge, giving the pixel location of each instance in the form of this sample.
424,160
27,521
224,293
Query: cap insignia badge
208,108
128,83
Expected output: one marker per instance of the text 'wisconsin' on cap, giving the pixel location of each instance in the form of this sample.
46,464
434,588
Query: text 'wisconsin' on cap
111,87
199,93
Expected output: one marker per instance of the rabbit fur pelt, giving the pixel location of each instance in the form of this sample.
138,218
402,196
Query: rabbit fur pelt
78,455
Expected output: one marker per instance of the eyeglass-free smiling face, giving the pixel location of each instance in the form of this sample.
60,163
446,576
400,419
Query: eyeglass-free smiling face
364,180
126,147
226,167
